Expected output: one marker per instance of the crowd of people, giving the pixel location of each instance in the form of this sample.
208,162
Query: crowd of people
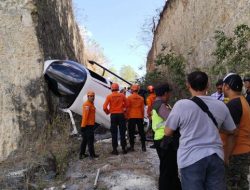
202,143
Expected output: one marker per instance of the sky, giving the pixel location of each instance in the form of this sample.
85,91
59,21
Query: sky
117,27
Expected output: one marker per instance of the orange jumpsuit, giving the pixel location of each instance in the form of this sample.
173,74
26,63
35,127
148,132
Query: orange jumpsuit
87,128
135,106
115,104
135,113
150,100
88,114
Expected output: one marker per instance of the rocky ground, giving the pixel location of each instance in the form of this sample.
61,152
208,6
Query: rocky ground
133,171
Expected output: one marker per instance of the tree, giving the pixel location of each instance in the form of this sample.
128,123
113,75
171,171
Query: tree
175,72
110,76
232,53
171,69
128,73
93,51
148,28
151,78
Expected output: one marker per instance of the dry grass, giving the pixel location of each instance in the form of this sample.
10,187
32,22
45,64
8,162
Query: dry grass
50,150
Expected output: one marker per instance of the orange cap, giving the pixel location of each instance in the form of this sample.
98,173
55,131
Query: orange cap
150,88
90,93
135,87
114,86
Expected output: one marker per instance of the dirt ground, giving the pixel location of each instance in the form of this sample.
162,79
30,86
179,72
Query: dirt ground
133,171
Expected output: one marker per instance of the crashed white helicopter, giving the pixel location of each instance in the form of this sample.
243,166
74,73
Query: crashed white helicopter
70,81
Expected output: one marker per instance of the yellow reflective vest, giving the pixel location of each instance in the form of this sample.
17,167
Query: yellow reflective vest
157,125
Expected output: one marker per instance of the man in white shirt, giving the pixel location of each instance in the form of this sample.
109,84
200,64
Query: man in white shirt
218,95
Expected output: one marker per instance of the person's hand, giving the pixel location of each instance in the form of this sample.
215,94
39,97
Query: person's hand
106,111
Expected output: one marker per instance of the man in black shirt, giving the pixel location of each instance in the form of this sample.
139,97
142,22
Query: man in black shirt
247,86
238,168
235,109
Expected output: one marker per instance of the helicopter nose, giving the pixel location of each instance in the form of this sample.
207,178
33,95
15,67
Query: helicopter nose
65,79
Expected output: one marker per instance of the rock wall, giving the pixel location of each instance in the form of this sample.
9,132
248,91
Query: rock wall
187,27
30,32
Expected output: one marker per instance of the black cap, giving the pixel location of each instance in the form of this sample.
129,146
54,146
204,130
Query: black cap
234,81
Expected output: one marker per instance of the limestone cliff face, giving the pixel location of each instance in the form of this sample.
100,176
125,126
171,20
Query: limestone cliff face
31,31
187,27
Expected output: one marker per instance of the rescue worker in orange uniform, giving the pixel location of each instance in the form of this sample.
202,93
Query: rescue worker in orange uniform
135,114
87,126
115,105
149,101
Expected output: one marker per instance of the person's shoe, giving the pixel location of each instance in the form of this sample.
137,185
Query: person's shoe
81,156
143,148
131,149
94,156
152,146
114,152
124,151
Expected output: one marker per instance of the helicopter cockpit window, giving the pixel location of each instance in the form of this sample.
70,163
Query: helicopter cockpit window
66,79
